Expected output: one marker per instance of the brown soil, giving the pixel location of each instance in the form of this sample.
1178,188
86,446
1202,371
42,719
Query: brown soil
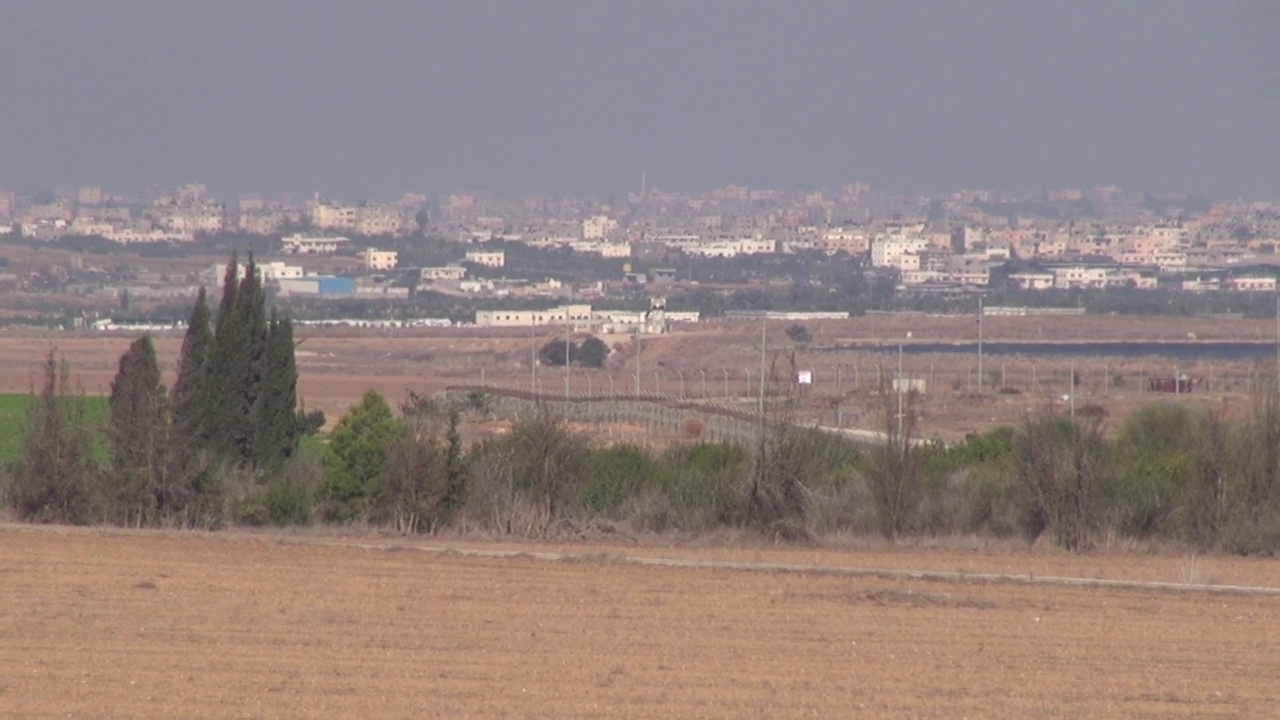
722,360
148,625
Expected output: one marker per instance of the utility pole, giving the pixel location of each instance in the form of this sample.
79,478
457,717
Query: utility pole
764,324
1072,386
980,344
900,389
533,358
639,328
568,341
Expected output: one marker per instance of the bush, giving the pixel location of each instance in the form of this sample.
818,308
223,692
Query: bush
799,334
614,475
281,503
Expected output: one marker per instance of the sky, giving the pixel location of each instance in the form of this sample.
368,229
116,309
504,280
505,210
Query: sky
371,100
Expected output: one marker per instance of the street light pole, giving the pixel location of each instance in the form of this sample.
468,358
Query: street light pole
980,313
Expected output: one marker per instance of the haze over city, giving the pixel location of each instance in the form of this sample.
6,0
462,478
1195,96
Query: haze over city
579,98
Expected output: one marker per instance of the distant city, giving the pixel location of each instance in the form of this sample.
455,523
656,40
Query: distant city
1069,239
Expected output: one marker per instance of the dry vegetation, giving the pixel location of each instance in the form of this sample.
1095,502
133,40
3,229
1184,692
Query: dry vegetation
337,365
149,625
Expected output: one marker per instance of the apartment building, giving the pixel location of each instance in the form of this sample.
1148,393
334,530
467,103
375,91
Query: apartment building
487,258
374,219
841,239
375,259
327,216
89,196
192,219
598,227
901,252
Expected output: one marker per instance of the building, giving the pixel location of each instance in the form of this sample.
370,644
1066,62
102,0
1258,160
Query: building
901,252
375,259
192,219
89,196
849,240
578,316
267,271
487,258
447,272
327,216
598,227
1250,284
298,244
374,219
318,285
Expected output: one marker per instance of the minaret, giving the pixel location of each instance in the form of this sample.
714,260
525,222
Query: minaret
644,186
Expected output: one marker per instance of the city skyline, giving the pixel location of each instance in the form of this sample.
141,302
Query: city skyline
561,99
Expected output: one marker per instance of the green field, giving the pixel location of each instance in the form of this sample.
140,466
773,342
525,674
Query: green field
13,419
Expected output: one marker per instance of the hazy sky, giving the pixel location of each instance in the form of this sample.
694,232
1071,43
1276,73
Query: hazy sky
370,99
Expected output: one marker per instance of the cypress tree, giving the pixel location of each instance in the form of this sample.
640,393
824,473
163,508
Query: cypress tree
138,435
193,370
225,368
275,414
250,316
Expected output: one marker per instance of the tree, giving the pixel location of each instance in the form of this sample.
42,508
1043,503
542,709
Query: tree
799,334
226,358
357,454
424,478
137,432
276,424
553,354
593,352
54,476
236,363
251,317
895,473
193,370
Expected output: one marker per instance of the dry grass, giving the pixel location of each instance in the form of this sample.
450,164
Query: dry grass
338,364
117,624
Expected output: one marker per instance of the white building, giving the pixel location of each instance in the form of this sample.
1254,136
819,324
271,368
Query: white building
375,259
1081,276
575,315
446,272
487,258
297,244
901,252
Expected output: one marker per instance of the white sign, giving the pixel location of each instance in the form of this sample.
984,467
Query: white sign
805,377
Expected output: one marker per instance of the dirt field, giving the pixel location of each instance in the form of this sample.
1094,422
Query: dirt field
721,361
142,625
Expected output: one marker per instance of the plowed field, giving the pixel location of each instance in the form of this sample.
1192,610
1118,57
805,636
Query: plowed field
148,625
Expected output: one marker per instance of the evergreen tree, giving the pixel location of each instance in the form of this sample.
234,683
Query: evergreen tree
53,477
192,477
225,363
193,371
251,315
138,434
276,429
357,454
